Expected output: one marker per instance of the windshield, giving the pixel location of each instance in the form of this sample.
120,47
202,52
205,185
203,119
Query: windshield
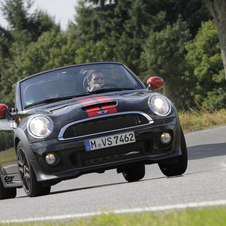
76,81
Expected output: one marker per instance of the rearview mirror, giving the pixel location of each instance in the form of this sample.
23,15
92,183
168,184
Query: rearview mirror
155,83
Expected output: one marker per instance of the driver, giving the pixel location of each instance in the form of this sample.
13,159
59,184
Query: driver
95,79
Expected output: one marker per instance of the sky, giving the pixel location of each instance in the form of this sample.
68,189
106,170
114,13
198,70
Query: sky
62,10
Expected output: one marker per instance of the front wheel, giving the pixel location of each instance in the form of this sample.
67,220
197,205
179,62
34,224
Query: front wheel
179,167
134,173
30,184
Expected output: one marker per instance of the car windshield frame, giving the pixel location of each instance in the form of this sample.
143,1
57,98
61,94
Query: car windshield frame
58,84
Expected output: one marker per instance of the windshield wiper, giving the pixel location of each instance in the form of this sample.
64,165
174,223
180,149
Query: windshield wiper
33,104
51,100
48,101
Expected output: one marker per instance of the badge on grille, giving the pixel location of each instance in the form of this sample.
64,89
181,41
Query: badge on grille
102,112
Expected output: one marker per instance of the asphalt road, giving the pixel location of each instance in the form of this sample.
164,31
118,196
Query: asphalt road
203,181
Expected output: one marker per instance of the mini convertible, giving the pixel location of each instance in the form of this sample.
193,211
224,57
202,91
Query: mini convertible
61,129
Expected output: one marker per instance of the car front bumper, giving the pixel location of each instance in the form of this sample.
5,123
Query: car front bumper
75,160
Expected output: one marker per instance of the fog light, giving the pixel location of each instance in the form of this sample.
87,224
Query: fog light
51,159
165,138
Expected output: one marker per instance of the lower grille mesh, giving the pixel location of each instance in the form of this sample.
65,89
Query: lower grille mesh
112,154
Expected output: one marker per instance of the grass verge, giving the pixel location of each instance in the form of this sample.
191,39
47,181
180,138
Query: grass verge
188,217
202,119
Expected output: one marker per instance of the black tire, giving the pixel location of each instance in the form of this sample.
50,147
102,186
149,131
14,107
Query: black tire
6,193
28,178
180,167
134,173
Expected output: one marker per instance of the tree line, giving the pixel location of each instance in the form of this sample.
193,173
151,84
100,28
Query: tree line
176,40
6,140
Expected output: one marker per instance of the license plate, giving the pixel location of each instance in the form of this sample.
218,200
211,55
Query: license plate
110,141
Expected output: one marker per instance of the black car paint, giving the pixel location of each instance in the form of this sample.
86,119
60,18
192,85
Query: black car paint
68,111
37,149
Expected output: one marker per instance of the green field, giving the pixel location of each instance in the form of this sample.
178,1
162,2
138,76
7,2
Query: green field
190,217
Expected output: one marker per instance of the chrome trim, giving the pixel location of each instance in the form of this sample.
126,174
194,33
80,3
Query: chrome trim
167,100
36,116
60,136
102,112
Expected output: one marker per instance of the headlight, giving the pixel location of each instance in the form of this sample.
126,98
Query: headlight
40,126
159,105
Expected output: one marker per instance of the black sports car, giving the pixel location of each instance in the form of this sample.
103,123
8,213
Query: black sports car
82,119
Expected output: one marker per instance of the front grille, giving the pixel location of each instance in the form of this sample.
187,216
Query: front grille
112,154
104,124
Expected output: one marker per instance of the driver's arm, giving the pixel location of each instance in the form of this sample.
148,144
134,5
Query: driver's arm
95,87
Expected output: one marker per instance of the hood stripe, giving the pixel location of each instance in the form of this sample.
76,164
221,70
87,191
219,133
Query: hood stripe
92,112
87,101
103,99
110,108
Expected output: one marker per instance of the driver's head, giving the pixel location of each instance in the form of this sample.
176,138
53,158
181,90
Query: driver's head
95,77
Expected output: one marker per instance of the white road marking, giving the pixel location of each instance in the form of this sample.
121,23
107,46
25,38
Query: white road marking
134,210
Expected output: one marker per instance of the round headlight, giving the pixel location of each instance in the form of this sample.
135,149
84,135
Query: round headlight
159,105
40,126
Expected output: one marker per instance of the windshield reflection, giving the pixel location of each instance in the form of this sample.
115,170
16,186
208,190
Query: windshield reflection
76,81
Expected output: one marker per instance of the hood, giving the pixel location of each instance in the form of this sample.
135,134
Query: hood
68,111
96,105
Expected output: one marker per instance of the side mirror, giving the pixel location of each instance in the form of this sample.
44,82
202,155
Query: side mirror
3,109
155,83
4,112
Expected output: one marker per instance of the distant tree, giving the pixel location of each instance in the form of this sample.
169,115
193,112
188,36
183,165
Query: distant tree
217,10
192,11
163,56
19,19
24,28
6,140
97,19
127,51
126,24
52,49
6,40
205,63
94,52
17,15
